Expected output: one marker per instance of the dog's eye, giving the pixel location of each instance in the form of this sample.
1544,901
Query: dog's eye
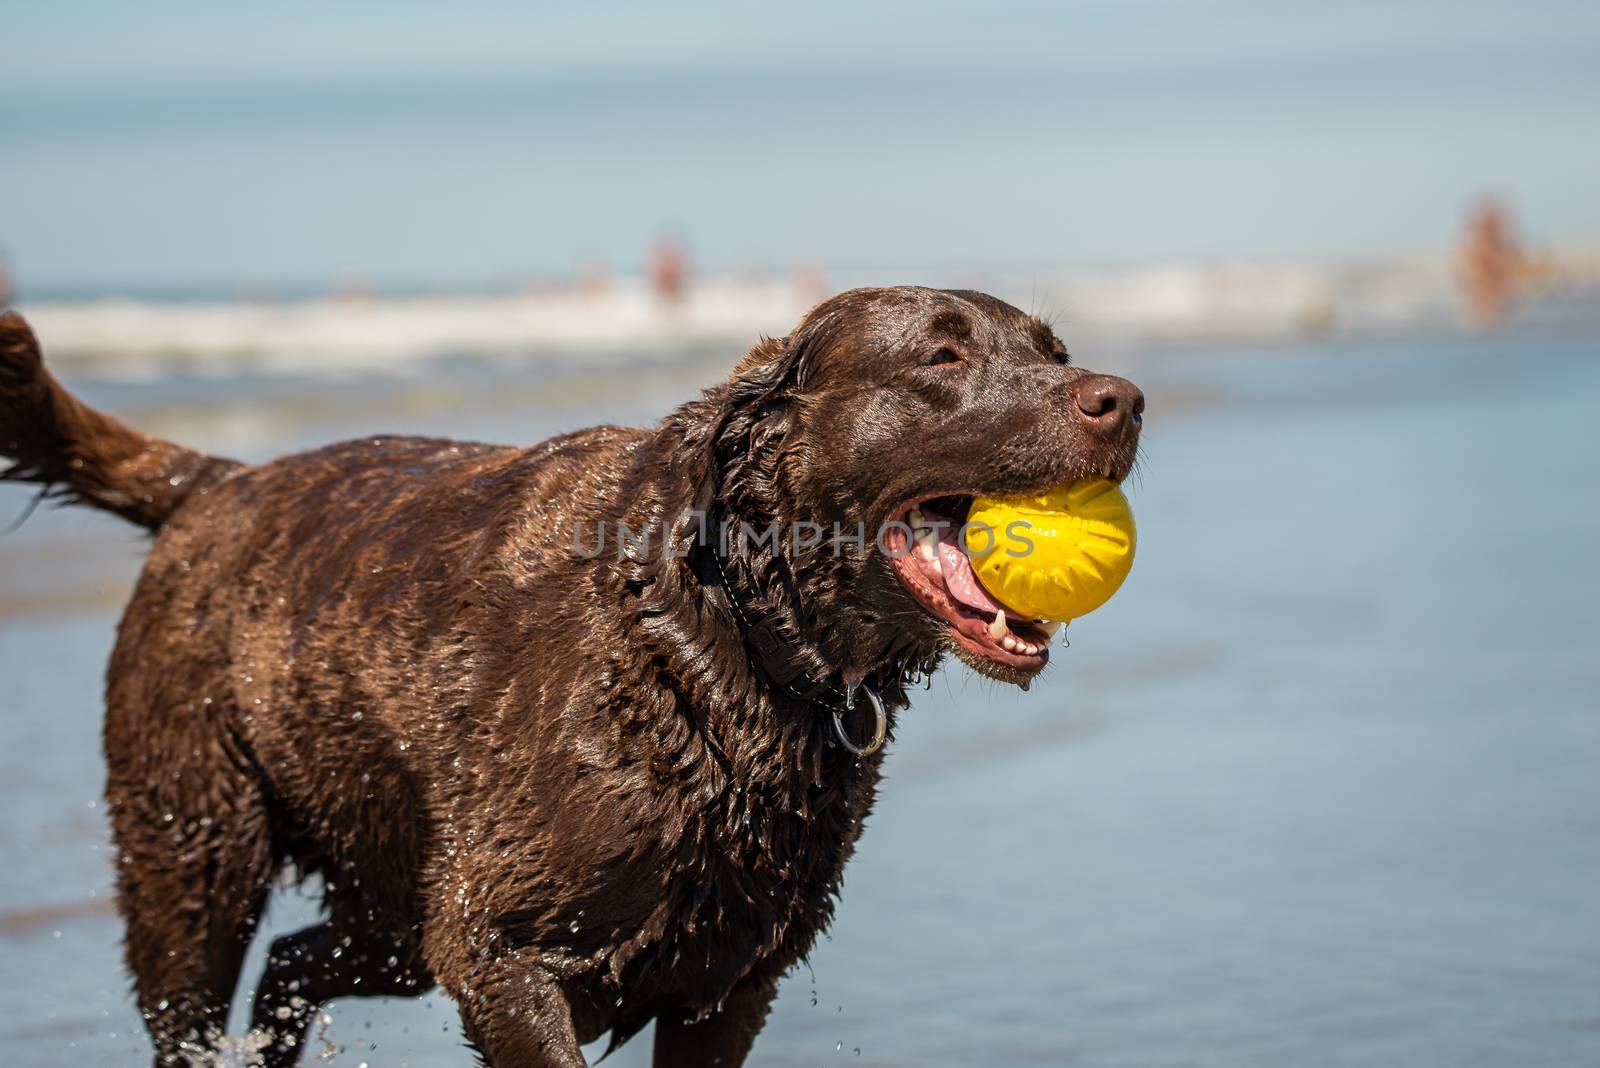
943,356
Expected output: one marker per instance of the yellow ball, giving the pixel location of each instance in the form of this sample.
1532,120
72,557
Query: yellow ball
1056,555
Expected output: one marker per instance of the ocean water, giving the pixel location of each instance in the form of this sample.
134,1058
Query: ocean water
1320,787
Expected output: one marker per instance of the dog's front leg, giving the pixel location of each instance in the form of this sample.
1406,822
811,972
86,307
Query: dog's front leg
722,1038
518,1016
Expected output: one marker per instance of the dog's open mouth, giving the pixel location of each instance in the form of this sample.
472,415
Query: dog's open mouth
936,570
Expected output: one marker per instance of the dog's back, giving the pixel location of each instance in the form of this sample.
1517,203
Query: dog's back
308,674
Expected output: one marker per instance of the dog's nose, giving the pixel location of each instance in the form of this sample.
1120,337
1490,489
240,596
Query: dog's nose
1107,403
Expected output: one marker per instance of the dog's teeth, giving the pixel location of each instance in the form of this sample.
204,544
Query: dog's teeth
997,629
928,546
916,518
1051,628
1010,643
1030,649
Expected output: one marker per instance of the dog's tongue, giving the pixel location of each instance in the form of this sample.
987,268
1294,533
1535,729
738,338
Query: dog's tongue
959,578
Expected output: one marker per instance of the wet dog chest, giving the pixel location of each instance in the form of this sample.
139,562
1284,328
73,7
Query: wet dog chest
762,890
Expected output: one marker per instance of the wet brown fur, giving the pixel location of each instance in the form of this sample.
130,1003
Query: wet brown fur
556,785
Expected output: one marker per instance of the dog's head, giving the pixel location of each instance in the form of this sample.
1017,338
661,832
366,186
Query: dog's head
885,412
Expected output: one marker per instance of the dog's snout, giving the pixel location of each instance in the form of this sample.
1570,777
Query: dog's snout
1107,404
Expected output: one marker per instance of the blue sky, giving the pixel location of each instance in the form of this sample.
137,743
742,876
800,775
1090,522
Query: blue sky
211,146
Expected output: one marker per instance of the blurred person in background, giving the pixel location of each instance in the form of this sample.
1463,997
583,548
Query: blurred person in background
669,268
1490,262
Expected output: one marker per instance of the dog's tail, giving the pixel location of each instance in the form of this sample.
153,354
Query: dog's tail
85,456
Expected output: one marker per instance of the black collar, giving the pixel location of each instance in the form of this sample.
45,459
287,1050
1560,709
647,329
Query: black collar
778,657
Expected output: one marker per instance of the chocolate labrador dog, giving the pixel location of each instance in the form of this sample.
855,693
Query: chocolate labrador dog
584,731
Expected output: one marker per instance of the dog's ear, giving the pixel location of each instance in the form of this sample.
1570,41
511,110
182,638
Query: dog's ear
775,367
728,439
759,413
759,391
729,427
770,363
